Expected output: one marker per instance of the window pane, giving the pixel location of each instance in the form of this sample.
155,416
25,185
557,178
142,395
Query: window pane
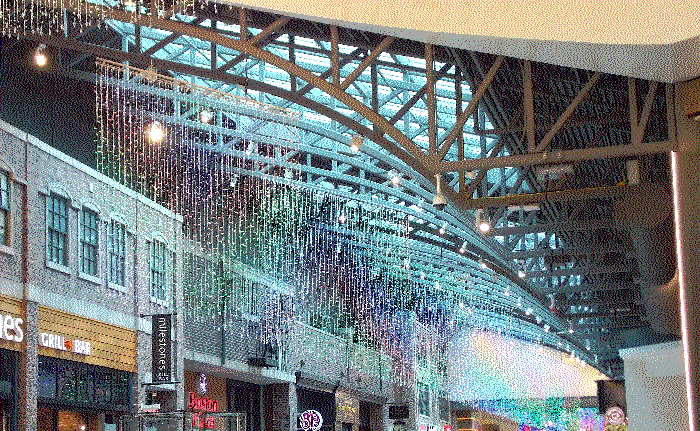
88,241
117,253
58,229
158,270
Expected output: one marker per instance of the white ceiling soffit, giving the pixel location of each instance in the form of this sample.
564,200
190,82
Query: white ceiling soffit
648,39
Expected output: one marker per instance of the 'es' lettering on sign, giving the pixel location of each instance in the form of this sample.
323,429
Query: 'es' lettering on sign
162,348
11,328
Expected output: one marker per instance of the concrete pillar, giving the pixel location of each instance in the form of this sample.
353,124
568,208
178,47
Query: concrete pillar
686,193
28,371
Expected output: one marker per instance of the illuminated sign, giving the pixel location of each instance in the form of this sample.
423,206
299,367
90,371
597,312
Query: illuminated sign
11,328
311,420
59,342
202,405
614,416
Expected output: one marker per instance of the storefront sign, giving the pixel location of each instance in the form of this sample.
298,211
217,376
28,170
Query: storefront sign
161,348
11,328
311,420
447,428
614,416
59,342
198,404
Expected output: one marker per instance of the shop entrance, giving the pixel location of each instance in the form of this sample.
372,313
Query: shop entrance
183,421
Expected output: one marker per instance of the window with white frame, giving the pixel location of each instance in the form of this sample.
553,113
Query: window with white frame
117,252
57,229
4,208
158,270
88,242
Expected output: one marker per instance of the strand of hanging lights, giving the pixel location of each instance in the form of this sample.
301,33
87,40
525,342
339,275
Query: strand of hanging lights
263,243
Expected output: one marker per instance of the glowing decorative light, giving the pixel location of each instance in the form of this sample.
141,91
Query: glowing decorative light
342,218
521,273
443,228
155,132
461,304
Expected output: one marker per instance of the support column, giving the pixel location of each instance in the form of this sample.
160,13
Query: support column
28,371
686,195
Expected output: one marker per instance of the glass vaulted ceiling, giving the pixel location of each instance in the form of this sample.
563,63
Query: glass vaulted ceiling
399,78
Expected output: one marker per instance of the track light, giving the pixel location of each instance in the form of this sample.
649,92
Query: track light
356,143
482,221
40,57
463,247
205,116
155,132
394,177
439,200
443,228
482,262
521,273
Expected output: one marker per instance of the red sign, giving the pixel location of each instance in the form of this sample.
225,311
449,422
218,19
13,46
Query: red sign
447,428
202,405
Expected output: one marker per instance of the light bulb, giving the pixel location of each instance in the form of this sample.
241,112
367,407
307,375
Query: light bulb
461,304
521,273
484,227
483,264
422,275
354,147
155,132
205,116
40,58
461,250
395,180
342,218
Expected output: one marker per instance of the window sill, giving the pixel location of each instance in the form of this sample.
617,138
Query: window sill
58,267
7,250
117,287
90,278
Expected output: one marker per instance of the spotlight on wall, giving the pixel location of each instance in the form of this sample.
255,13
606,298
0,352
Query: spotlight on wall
439,200
40,57
155,132
206,116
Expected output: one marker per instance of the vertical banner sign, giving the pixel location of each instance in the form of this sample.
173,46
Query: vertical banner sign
161,348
